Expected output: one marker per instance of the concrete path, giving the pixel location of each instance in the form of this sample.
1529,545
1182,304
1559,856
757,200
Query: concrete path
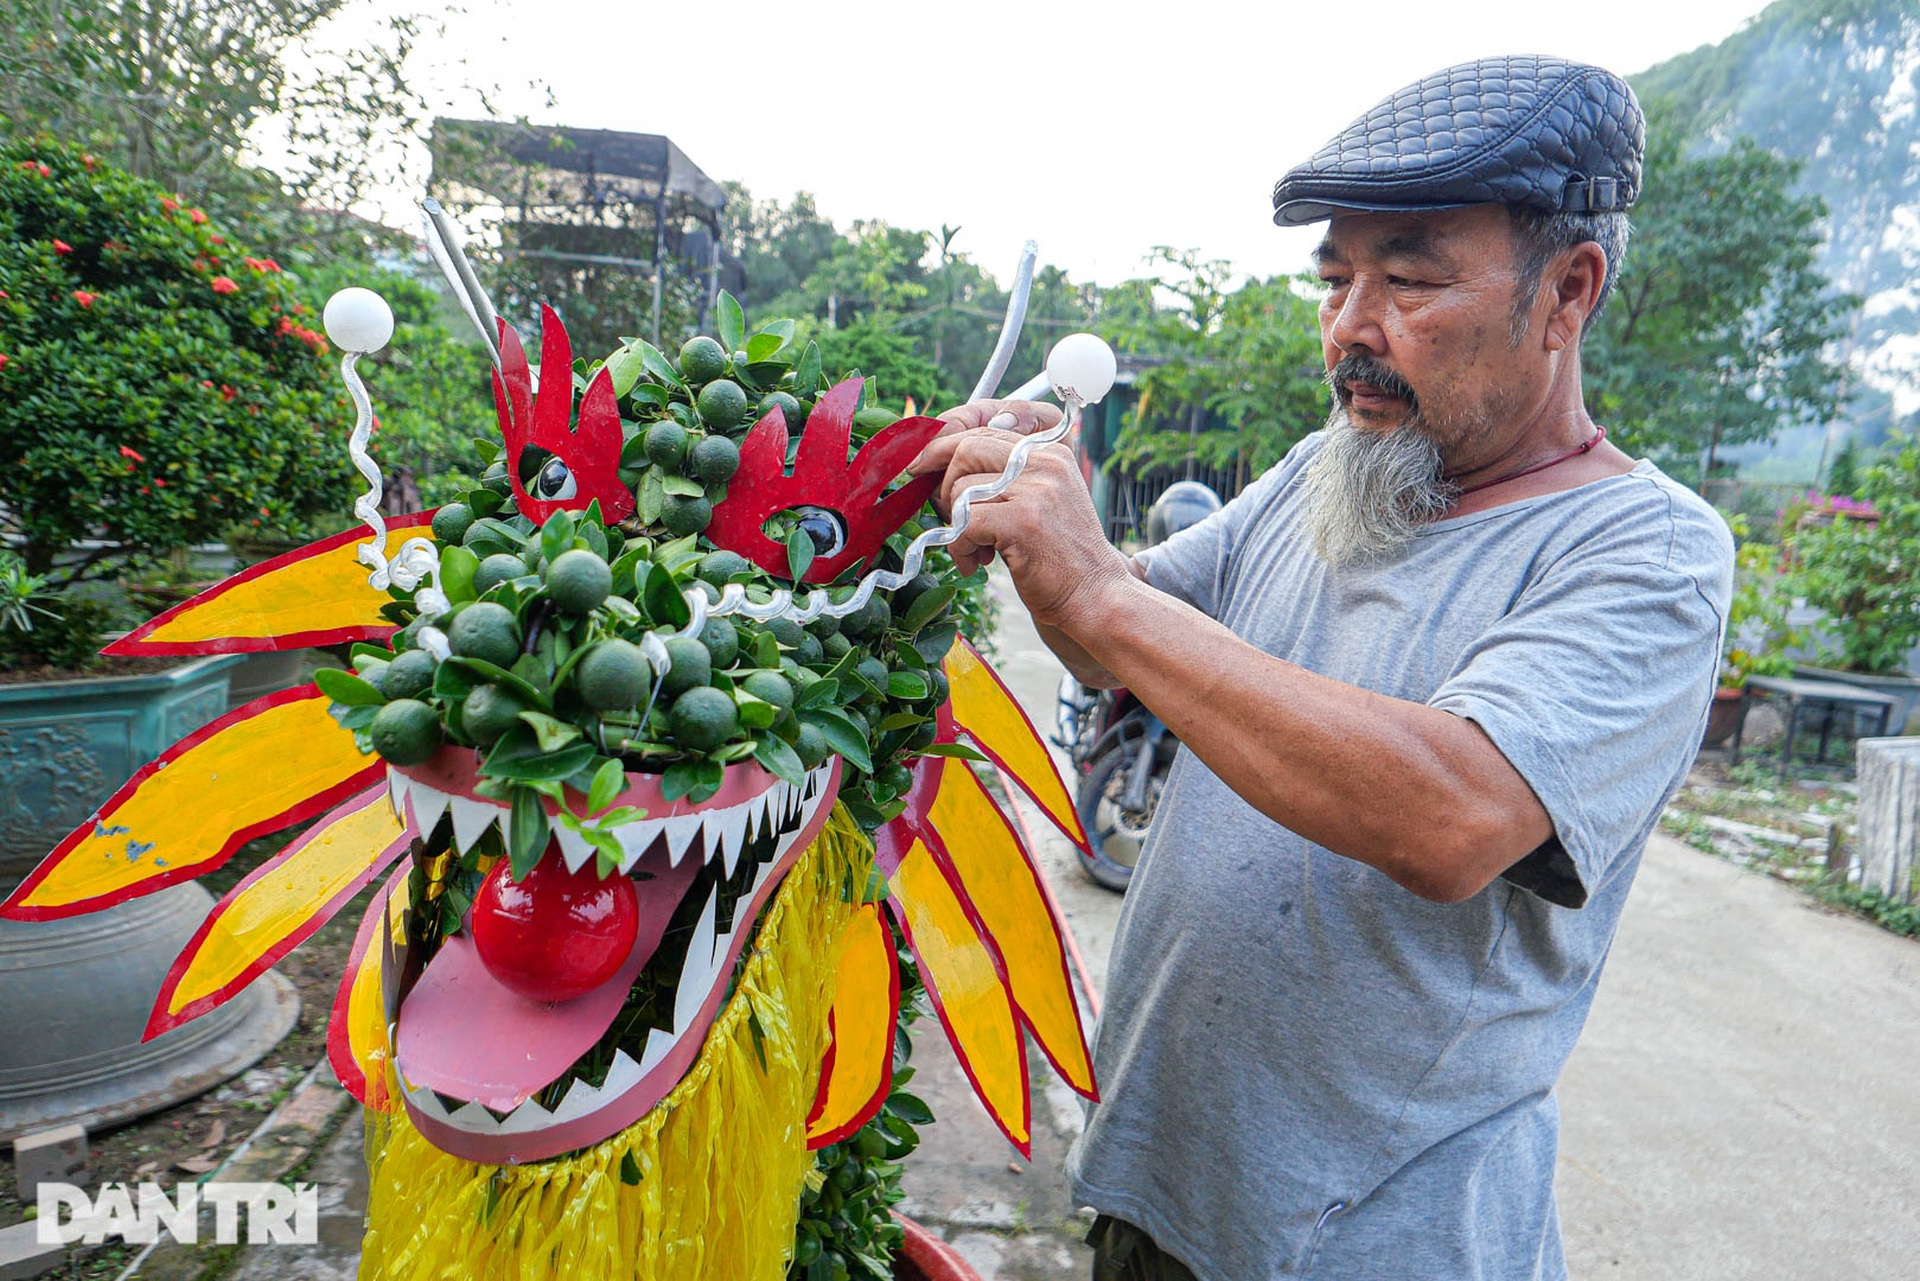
1745,1102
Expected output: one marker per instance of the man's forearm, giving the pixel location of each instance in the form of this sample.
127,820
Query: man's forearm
1085,667
1418,793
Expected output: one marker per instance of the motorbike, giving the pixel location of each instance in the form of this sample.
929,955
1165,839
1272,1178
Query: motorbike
1121,751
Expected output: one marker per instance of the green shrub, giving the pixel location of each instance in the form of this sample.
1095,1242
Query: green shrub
1858,566
158,385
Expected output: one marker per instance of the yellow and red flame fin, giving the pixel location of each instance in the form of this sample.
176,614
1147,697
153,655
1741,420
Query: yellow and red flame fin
313,595
857,1075
259,768
963,979
357,1028
986,711
278,907
1001,887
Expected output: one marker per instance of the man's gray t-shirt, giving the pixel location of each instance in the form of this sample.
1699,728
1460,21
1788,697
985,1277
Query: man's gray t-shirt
1310,1071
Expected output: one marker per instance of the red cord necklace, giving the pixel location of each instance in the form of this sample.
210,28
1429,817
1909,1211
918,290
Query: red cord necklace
1599,434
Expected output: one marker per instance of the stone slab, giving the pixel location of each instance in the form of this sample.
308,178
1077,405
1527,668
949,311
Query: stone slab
58,1155
22,1256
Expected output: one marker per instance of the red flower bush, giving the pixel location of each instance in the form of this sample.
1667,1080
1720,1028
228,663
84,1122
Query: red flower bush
104,348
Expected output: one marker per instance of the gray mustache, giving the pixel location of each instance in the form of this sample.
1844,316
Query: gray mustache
1365,369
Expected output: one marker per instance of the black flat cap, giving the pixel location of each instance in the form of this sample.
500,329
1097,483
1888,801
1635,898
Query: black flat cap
1534,131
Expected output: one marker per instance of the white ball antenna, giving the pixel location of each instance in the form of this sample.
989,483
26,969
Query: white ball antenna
1081,366
358,320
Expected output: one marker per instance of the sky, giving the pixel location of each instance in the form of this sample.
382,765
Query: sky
1099,131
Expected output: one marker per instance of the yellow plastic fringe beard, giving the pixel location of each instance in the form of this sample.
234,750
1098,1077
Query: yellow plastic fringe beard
721,1159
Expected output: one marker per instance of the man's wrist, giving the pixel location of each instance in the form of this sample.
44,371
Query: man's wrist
1098,603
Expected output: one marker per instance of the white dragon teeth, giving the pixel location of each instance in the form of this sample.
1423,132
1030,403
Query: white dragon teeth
429,804
680,835
471,818
575,849
728,829
696,973
658,1043
397,794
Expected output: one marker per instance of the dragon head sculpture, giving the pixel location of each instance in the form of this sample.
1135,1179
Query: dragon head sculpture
620,842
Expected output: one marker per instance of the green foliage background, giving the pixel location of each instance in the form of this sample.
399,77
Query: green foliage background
161,384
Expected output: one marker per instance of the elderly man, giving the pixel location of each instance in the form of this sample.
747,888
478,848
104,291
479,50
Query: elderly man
1436,673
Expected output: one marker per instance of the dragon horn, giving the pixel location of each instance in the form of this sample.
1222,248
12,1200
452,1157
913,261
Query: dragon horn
443,242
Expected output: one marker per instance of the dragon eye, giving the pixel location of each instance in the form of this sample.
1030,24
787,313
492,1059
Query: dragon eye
555,483
827,529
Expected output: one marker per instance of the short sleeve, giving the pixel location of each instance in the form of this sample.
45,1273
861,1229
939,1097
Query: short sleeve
1194,563
1596,685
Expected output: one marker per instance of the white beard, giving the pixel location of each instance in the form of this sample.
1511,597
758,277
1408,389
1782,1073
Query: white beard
1368,492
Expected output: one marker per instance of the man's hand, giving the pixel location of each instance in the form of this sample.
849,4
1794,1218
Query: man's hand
1044,526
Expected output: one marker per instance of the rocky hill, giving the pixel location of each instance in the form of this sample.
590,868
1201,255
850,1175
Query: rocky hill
1836,84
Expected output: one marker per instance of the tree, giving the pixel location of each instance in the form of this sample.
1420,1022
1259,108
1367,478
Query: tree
1238,383
1722,327
159,386
180,92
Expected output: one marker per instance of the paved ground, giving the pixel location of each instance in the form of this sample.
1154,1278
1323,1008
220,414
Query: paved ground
1745,1103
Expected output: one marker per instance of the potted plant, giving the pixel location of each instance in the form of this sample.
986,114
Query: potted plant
157,385
1861,573
1758,635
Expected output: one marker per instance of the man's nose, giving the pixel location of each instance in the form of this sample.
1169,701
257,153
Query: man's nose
1355,326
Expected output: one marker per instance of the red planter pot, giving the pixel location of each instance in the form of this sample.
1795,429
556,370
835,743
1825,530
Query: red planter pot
925,1257
1724,715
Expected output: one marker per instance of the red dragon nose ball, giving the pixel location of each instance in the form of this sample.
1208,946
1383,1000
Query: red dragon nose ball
554,934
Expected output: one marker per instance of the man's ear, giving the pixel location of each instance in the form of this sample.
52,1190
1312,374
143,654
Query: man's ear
1573,284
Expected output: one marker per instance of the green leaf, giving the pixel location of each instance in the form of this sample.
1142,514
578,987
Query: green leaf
353,717
766,650
685,486
960,750
557,535
926,605
934,643
761,346
485,502
657,365
800,552
550,733
519,756
489,672
624,367
909,1108
822,693
651,394
778,759
456,573
535,673
901,720
661,597
346,688
909,687
806,375
452,683
695,780
754,713
730,321
651,496
841,736
629,1170
608,782
527,834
